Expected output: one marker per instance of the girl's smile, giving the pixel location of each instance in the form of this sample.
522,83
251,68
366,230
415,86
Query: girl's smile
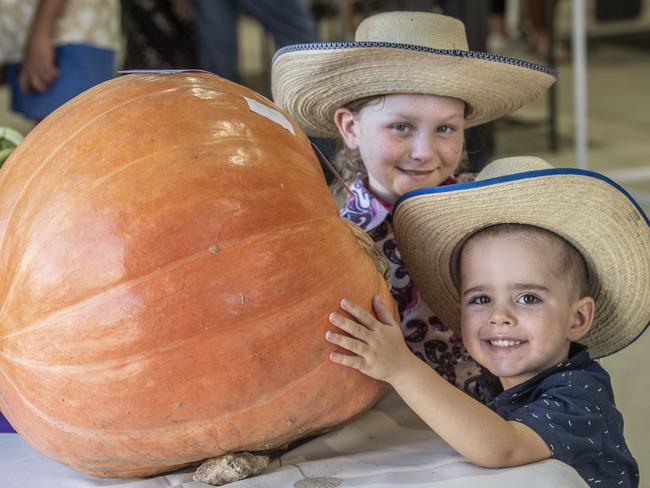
415,173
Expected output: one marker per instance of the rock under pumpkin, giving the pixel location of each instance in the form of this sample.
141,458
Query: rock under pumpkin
170,253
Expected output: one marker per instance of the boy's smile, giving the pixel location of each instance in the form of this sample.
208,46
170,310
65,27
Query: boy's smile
518,311
504,342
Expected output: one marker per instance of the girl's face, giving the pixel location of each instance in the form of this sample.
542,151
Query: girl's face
406,141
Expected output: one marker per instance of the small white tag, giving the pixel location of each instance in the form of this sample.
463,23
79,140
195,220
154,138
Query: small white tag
269,113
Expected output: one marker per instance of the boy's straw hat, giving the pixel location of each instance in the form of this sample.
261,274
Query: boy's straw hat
589,210
401,52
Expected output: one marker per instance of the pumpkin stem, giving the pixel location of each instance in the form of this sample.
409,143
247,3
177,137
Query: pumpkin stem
368,245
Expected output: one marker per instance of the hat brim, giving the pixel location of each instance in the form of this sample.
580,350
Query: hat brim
590,211
311,81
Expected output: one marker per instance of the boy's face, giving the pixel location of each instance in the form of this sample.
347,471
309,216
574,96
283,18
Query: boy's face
407,141
518,313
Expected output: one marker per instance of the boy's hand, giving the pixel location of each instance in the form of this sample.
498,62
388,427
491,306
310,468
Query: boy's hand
468,426
378,345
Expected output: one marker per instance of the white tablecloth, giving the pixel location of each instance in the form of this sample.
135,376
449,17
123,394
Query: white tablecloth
387,446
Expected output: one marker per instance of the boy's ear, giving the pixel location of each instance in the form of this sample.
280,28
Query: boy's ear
347,126
583,317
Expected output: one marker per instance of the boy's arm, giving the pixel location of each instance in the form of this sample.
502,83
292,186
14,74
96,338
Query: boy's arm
468,426
471,428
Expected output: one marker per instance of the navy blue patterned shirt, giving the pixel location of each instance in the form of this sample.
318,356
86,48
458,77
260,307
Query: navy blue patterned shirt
571,407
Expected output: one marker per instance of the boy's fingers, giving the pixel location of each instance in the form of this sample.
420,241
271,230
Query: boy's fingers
347,360
352,345
350,326
359,313
382,311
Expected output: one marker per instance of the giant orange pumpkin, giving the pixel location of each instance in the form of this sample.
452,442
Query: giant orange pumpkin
169,256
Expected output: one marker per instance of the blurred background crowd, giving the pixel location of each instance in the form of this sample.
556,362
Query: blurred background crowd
51,50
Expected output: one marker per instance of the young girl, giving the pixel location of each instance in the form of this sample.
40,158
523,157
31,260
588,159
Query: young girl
400,97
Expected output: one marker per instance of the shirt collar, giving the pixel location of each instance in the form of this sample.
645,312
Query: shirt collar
367,210
578,359
363,208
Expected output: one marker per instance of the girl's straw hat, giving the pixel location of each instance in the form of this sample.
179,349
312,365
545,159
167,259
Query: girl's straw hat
401,52
587,209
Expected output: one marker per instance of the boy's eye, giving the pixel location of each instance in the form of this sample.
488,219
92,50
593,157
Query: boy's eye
528,299
480,300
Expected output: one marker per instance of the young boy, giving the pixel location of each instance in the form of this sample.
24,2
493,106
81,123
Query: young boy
530,260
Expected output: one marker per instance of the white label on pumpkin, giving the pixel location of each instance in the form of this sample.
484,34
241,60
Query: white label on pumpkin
269,113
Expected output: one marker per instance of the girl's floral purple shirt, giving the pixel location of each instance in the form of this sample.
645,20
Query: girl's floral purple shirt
425,334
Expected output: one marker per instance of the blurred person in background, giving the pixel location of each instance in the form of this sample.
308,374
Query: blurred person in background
55,49
158,35
289,22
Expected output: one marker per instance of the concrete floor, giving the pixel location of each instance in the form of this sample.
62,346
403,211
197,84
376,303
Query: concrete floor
619,144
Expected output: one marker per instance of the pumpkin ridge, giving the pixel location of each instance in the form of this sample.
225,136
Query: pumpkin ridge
35,173
76,133
117,287
134,358
42,237
99,182
53,224
25,400
264,400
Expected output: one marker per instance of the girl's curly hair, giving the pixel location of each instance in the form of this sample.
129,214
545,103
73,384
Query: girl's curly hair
348,161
